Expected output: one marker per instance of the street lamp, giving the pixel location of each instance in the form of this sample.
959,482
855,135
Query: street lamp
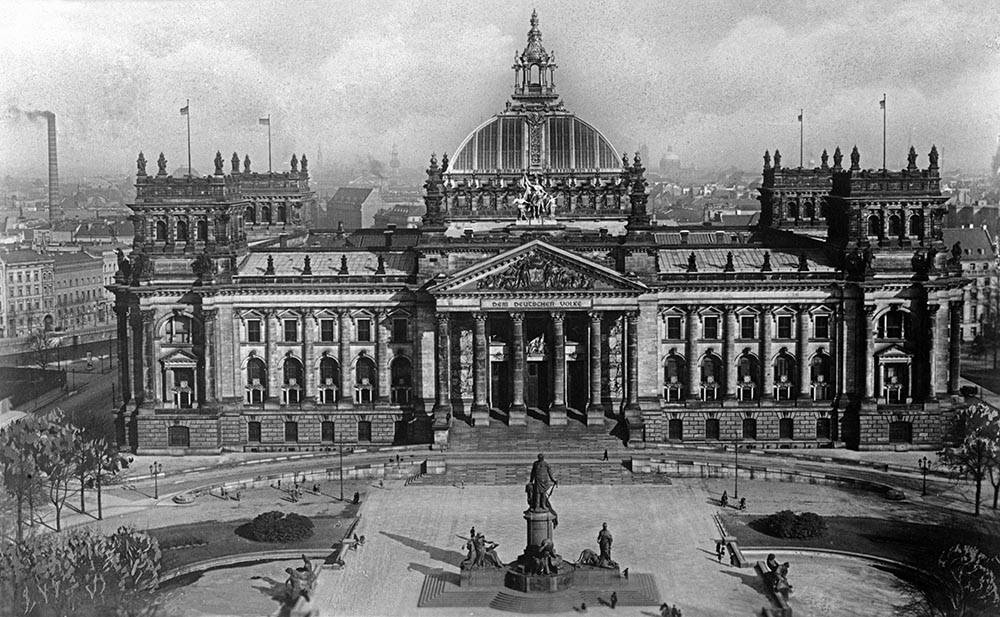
155,469
736,468
925,466
341,448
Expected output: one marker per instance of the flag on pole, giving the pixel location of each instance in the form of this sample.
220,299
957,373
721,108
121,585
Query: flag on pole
184,110
881,103
264,122
800,116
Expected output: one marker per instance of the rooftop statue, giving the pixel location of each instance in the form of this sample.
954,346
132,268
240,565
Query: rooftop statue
140,164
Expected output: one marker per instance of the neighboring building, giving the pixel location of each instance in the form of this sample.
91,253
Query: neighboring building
537,282
78,291
354,208
979,264
27,292
407,216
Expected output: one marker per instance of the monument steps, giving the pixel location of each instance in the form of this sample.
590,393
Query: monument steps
515,602
501,472
534,436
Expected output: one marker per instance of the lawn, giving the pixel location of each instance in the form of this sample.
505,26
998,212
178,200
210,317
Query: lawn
220,538
915,544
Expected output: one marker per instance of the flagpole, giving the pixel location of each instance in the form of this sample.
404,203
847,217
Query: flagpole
188,114
800,136
268,143
883,130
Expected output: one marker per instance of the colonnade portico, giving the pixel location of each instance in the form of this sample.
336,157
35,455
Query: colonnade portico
531,360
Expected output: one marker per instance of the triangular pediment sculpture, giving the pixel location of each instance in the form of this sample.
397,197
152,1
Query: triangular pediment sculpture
537,267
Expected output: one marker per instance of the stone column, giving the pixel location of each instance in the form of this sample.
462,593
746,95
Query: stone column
938,324
595,408
308,360
802,352
955,348
209,321
271,355
729,352
382,357
966,309
692,328
557,412
442,402
148,356
871,327
135,321
632,349
124,374
518,411
346,395
766,327
480,406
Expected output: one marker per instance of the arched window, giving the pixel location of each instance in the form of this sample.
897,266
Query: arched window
256,381
182,231
177,330
819,377
748,377
364,381
402,381
809,210
874,225
250,215
329,380
178,436
749,428
711,377
793,209
673,377
282,214
895,226
202,230
265,215
292,382
534,74
161,231
784,376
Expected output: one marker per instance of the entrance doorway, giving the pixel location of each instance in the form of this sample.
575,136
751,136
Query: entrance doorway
536,387
577,384
499,386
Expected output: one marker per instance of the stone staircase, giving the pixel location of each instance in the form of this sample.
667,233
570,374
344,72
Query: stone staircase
516,472
535,436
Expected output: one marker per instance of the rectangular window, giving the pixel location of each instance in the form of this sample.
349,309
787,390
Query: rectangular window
748,327
326,432
291,431
400,329
253,330
673,324
364,430
253,432
784,326
364,327
291,330
712,428
711,325
326,330
821,326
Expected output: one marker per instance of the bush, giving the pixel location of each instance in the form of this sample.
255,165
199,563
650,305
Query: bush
280,527
787,524
182,542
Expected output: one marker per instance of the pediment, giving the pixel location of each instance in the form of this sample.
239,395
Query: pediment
893,352
179,357
536,267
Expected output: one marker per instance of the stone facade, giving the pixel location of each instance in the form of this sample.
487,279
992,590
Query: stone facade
543,293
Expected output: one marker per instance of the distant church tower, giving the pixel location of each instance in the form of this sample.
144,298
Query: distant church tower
394,162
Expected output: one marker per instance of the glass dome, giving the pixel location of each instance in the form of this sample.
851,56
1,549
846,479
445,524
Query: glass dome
567,144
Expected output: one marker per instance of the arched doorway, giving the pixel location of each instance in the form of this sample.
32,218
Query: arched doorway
365,378
329,380
402,381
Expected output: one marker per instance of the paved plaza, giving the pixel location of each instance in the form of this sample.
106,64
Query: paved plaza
667,531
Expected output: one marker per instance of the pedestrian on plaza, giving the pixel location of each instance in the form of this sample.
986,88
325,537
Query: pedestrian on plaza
362,540
614,599
583,607
725,499
357,497
605,454
664,610
279,483
720,550
625,573
381,484
743,503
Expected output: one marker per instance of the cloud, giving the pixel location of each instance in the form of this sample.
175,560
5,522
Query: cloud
720,81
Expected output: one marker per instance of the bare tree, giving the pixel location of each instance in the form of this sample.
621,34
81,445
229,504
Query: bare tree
41,344
975,440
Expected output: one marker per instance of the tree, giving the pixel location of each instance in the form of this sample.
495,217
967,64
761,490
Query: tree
58,458
19,445
100,459
81,573
969,581
975,437
41,344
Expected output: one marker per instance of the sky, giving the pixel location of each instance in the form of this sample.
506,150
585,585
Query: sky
718,81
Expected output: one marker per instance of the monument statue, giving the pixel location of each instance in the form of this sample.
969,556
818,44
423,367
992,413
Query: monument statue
301,581
540,487
604,541
602,560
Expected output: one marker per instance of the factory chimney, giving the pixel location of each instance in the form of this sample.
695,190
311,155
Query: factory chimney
53,164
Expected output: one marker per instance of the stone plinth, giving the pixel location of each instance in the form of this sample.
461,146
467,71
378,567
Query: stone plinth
490,578
541,583
598,578
540,525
